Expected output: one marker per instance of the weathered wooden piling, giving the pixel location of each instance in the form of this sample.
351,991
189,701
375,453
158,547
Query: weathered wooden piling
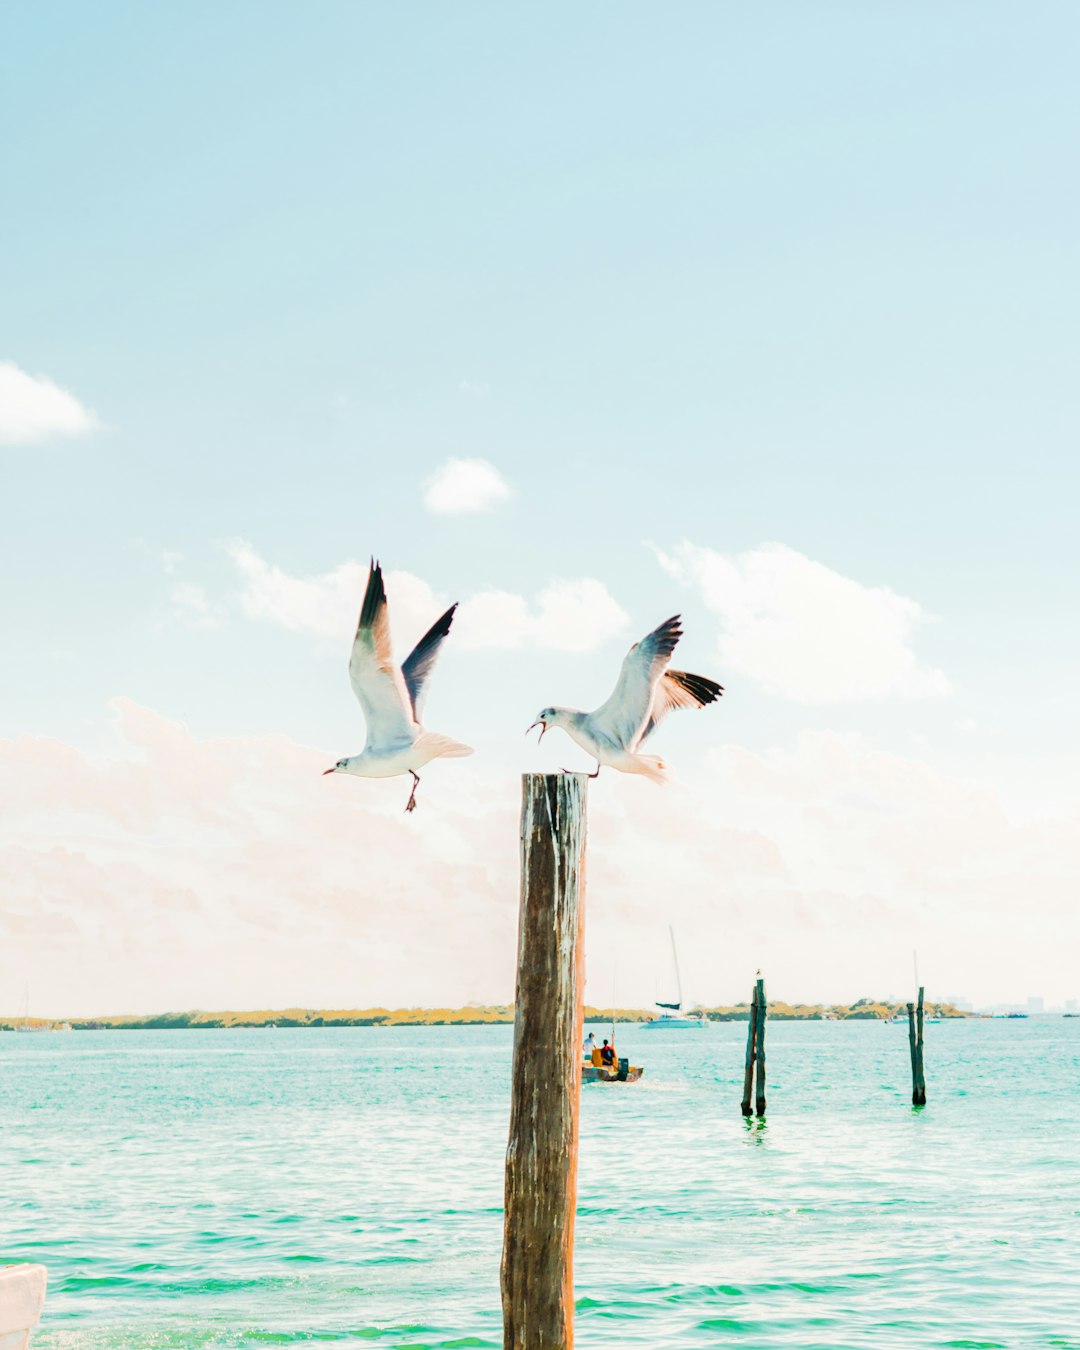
914,1052
915,1045
759,1105
751,1039
755,1054
542,1152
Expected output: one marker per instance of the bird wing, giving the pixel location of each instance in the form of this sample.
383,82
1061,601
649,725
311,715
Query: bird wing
377,682
420,662
625,713
677,689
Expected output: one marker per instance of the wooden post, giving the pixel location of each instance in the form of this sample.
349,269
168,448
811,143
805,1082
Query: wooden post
542,1152
919,1095
760,1105
751,1038
913,1047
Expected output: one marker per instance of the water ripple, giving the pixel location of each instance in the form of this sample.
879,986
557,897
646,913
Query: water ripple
238,1189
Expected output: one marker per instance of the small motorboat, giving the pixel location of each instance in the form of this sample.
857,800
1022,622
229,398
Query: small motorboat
594,1070
621,1072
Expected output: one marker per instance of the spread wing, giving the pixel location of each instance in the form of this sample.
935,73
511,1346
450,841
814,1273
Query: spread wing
421,661
677,689
377,683
626,712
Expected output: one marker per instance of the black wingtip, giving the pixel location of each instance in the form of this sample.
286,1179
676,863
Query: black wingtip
703,689
668,634
442,626
374,596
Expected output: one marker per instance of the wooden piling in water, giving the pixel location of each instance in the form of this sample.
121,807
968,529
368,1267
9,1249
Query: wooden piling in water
918,1096
751,1039
754,1073
914,1051
759,1105
542,1151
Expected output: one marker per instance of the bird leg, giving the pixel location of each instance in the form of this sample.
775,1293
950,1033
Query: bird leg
597,773
588,775
410,805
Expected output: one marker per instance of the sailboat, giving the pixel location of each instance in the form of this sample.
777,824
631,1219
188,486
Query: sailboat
671,1016
25,1024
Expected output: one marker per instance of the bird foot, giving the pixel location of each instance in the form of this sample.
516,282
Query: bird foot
410,805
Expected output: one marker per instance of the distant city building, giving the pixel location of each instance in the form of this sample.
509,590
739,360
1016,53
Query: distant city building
1036,1005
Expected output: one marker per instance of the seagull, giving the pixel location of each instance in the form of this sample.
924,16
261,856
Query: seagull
646,692
392,697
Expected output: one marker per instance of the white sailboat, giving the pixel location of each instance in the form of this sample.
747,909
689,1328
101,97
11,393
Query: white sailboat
672,1016
24,1025
27,1025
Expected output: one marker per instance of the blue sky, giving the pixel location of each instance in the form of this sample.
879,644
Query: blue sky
805,277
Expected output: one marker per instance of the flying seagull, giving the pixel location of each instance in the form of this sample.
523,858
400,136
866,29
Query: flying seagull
646,692
392,697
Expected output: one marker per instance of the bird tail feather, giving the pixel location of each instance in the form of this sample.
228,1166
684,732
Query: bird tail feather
650,766
444,747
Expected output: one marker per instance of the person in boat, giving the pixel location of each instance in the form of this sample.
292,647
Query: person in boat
607,1054
590,1045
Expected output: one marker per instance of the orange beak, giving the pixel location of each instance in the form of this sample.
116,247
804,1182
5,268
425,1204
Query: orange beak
542,724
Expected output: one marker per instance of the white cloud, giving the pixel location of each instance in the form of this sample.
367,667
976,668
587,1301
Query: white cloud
321,604
805,632
34,408
568,615
465,486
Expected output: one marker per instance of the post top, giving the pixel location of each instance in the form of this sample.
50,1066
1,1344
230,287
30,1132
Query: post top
544,777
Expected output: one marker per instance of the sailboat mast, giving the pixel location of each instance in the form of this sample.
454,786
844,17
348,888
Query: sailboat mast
675,958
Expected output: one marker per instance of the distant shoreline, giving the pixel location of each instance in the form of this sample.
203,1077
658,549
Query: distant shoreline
864,1010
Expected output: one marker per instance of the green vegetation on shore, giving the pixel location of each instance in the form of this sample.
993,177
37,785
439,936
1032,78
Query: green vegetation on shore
865,1009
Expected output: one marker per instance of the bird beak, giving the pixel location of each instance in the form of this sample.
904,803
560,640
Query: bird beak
326,771
533,728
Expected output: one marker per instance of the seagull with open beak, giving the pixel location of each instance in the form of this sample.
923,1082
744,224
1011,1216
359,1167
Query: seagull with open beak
647,690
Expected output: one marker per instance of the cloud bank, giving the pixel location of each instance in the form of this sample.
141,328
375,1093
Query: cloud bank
166,870
574,615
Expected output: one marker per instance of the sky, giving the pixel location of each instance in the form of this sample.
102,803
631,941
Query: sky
581,318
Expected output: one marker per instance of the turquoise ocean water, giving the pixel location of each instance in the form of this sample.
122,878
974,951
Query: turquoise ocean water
254,1188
